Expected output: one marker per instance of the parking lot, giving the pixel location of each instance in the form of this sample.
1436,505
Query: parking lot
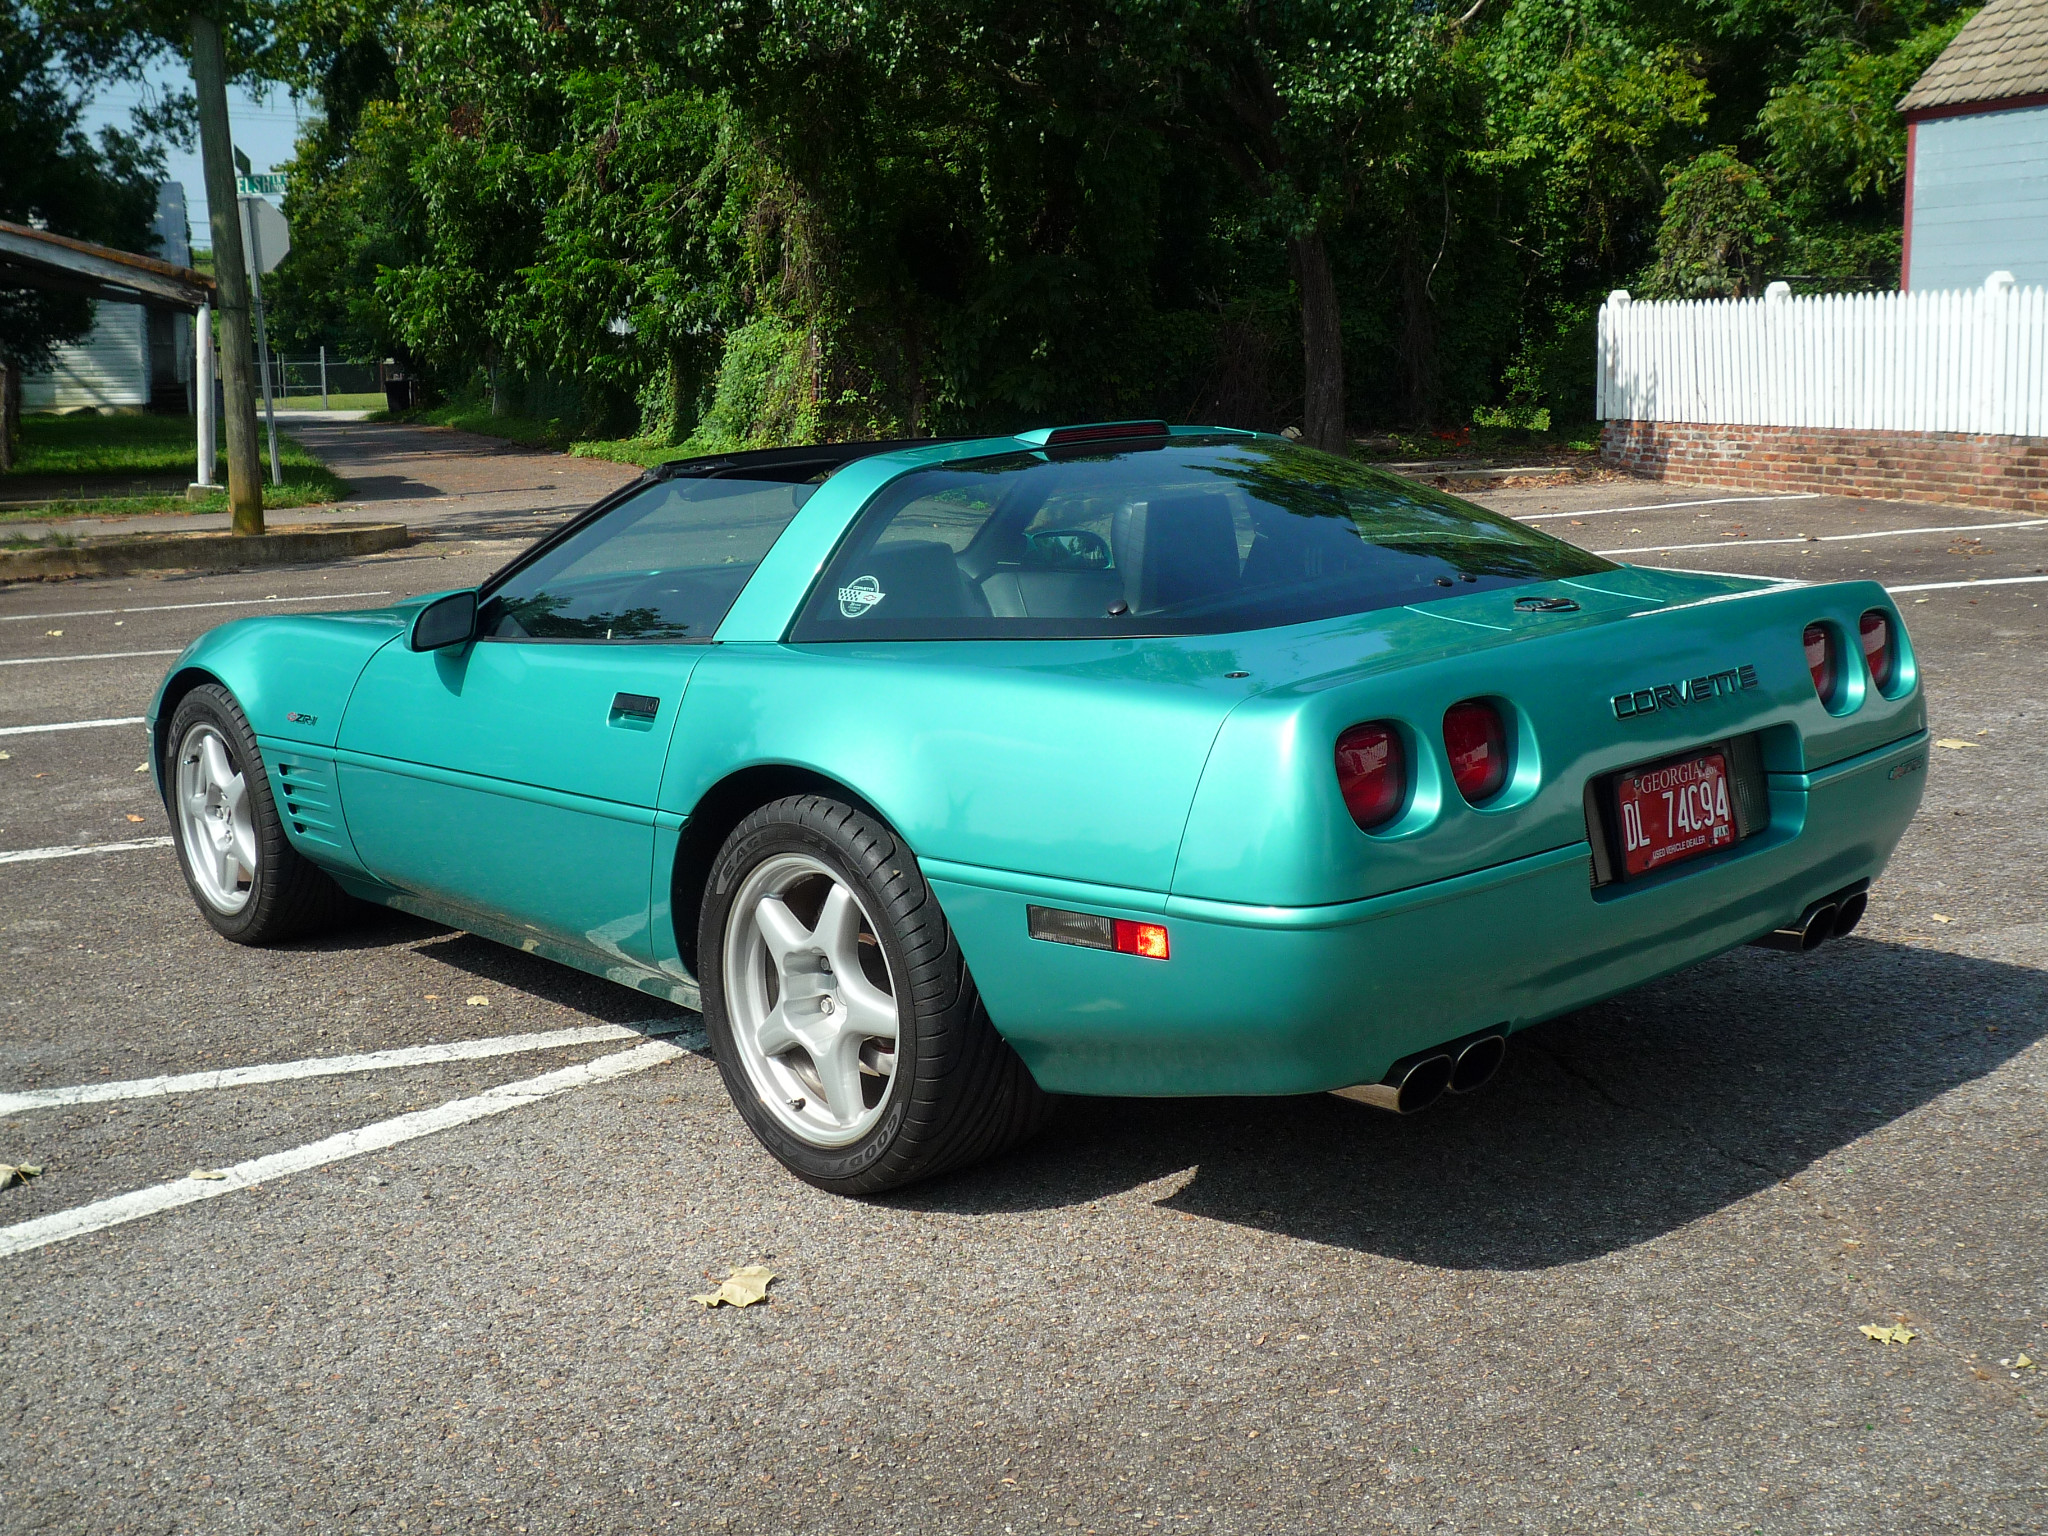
1621,1290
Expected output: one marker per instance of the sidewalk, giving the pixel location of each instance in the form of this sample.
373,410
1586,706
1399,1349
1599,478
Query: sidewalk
442,484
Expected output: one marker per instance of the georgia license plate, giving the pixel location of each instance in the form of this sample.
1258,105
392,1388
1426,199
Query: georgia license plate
1673,810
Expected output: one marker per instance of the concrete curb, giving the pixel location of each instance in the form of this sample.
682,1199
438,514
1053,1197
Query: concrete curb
204,551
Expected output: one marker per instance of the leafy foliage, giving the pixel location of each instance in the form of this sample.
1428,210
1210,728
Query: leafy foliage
723,223
57,178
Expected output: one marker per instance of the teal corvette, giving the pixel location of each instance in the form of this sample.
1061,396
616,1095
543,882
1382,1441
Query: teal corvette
1115,759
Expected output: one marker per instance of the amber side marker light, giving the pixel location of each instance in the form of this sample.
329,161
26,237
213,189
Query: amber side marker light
1147,940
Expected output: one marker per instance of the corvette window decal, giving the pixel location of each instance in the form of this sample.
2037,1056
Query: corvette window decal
860,595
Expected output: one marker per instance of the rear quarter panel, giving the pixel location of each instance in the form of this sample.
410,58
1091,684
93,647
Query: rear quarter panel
1070,759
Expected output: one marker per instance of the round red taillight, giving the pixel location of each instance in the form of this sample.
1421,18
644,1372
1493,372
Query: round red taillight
1820,660
1477,742
1880,655
1372,771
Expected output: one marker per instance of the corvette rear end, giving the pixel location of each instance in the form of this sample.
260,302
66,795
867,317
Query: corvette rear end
1427,828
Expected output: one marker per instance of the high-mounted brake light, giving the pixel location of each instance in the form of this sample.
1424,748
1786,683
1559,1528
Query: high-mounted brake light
1088,931
1880,654
1372,771
1820,660
1102,431
1477,741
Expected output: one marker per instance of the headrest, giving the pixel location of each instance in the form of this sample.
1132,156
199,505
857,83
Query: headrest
1180,547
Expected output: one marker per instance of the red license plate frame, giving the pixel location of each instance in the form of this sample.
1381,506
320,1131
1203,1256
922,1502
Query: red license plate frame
1673,810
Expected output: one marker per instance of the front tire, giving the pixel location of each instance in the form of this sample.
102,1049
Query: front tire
245,877
844,1021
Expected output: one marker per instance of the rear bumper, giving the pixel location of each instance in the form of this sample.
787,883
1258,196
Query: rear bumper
1278,1000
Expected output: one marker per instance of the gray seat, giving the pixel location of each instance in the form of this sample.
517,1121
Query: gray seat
920,579
1176,549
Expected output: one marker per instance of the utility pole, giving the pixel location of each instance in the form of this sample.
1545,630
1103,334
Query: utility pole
230,275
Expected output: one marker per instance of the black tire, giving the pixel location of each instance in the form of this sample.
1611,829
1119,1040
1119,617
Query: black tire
958,1092
288,896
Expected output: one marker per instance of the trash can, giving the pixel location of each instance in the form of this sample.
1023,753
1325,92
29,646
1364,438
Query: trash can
398,394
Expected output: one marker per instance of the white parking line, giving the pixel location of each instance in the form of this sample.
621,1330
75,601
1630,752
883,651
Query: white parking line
233,602
61,1226
68,725
74,850
1825,538
1954,586
39,661
334,1066
1659,506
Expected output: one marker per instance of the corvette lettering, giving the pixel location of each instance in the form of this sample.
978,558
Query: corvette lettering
1690,690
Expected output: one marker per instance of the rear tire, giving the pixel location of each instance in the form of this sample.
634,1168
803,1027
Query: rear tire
245,877
818,938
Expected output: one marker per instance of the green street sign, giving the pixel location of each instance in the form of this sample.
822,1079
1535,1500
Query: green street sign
266,185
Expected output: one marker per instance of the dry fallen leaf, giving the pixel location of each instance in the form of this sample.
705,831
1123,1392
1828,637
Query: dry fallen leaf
745,1286
206,1173
1939,918
2023,1363
134,818
1954,745
1897,1335
478,1002
142,767
4,756
21,1173
53,631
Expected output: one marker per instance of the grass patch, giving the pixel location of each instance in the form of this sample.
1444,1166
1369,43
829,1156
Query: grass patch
552,436
104,445
1486,438
335,402
120,447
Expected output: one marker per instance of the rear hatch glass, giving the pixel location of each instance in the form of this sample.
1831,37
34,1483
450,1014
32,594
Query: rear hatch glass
1202,535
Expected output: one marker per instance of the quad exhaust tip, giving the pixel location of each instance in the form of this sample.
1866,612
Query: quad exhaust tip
1828,918
1463,1066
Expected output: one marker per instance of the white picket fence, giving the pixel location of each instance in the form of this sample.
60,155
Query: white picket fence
1966,360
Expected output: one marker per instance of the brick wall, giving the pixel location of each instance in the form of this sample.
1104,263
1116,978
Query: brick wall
1960,468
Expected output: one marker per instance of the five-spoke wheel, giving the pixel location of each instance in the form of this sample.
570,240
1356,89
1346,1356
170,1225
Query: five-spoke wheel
211,800
813,1010
843,1017
248,880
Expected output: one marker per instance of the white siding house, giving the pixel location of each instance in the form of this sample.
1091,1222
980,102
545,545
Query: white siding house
109,367
1977,154
133,357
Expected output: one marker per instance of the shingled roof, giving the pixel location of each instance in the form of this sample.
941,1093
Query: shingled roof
2001,53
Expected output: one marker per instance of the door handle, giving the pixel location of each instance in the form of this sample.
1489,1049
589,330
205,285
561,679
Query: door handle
644,706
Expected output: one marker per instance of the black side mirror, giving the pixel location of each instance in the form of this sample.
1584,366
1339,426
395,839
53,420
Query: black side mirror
446,621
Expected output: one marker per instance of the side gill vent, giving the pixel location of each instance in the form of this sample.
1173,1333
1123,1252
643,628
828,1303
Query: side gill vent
306,792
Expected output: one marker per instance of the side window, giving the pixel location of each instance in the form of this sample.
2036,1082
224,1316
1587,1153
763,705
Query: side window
663,565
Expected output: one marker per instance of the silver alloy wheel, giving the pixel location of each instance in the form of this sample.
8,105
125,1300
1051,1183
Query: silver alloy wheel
219,836
810,1000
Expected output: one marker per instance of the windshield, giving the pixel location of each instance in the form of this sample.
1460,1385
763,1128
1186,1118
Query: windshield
1205,535
665,564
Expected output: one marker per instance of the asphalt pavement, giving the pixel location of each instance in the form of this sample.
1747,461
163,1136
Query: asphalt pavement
1623,1289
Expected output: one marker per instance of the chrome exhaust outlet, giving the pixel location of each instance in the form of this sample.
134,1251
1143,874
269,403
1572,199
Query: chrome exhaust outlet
1406,1089
1477,1063
1850,913
1814,928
